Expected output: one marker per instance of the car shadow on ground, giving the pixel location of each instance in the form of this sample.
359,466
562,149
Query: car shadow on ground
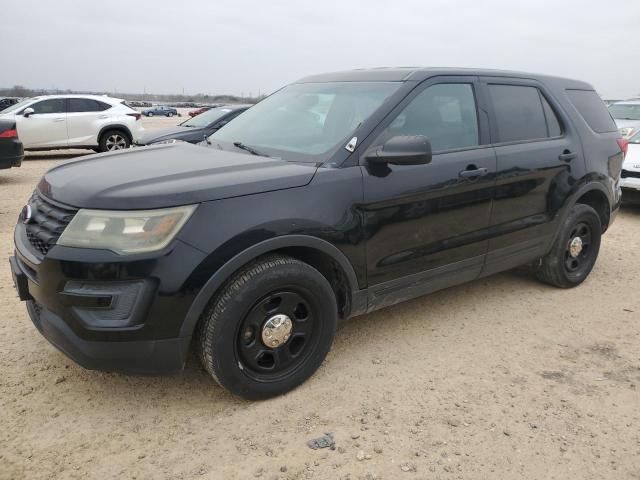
196,384
56,155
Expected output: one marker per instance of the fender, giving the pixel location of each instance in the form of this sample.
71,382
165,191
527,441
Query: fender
589,185
117,126
222,274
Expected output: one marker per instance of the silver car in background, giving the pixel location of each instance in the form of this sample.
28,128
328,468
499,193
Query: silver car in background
627,116
630,177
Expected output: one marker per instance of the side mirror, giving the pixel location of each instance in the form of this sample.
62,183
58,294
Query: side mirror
402,150
27,111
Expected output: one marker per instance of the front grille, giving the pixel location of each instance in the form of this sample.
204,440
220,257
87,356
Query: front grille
48,221
629,174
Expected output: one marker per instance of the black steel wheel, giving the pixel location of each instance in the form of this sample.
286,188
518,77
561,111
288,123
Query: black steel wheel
575,250
277,333
269,328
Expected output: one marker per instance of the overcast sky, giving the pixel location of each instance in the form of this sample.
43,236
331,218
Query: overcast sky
246,46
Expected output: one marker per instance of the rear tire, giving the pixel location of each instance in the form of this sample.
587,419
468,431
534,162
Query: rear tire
575,250
269,327
170,114
150,114
113,140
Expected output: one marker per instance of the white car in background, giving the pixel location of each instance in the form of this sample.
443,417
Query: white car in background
75,121
627,116
630,178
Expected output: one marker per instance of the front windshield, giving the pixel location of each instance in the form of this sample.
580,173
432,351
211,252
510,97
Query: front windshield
18,106
625,111
305,121
206,118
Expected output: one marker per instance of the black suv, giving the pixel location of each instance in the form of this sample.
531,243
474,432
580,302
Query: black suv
337,195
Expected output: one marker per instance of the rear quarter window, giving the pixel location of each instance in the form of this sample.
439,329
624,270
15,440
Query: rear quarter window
593,110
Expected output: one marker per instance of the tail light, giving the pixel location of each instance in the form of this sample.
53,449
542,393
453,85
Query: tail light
13,133
623,143
136,115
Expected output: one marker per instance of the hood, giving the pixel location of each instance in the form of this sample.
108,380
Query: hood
168,175
167,133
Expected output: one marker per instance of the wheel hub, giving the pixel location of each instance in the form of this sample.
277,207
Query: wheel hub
575,247
276,330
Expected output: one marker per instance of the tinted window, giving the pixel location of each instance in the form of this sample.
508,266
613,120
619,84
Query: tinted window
86,105
519,113
553,124
593,110
444,113
55,105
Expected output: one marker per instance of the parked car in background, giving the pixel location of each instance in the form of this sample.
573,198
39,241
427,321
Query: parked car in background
611,102
627,116
7,102
337,195
11,149
138,103
161,110
74,121
198,111
195,129
630,176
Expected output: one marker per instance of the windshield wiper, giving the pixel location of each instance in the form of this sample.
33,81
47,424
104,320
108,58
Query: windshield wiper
249,149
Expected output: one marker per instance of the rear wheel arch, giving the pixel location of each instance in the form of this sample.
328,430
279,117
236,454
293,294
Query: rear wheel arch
121,128
320,254
598,200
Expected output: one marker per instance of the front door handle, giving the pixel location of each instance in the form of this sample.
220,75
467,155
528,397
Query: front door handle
473,172
567,156
58,119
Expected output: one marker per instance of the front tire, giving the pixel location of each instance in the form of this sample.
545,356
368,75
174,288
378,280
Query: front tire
170,114
575,250
269,328
150,114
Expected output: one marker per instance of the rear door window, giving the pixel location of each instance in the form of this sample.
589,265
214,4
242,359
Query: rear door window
553,124
519,113
86,105
593,110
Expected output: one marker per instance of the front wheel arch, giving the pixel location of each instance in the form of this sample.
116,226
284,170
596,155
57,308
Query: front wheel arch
285,244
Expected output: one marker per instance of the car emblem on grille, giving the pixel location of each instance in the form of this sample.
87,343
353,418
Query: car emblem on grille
26,214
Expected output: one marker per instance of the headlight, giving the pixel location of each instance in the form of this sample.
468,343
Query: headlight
169,140
125,231
627,131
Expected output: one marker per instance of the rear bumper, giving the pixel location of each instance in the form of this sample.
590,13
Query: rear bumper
630,183
11,153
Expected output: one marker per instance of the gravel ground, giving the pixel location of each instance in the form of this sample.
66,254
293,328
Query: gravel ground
501,378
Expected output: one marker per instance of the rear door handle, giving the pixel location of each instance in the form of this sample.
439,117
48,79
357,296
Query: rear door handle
567,156
473,172
58,119
101,117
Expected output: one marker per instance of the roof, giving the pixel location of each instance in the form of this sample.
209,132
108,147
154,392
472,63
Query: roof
401,74
78,95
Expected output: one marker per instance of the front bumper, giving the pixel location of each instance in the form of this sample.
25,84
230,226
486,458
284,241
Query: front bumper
105,311
142,356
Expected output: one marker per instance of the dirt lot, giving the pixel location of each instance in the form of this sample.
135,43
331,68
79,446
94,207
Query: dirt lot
500,378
